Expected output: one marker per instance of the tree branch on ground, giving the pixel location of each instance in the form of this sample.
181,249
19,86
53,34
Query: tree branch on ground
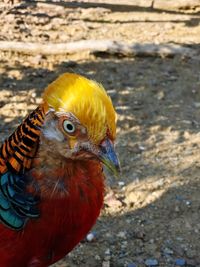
98,47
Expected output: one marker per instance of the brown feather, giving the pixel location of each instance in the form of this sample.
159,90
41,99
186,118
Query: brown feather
18,151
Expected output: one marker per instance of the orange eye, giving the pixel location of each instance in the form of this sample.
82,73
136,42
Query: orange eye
68,126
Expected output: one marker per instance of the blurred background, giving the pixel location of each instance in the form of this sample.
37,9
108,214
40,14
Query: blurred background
146,54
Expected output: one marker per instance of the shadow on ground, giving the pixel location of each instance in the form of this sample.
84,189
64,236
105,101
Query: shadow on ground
191,21
157,102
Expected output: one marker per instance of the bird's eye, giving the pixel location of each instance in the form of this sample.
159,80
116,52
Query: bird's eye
68,126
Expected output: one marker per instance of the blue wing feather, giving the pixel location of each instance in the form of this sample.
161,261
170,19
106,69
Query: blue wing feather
16,205
4,204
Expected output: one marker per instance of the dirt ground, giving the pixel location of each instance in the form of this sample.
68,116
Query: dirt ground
153,210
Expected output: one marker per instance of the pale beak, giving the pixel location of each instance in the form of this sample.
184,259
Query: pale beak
108,156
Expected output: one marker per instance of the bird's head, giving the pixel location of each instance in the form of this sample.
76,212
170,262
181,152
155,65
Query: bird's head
80,121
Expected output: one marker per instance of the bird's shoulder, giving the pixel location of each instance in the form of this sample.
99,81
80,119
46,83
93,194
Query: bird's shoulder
16,157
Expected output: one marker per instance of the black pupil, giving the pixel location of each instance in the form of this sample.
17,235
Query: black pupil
70,127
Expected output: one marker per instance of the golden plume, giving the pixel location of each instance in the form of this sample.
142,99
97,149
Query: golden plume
87,100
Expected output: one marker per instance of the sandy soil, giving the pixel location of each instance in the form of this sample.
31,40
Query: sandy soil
153,210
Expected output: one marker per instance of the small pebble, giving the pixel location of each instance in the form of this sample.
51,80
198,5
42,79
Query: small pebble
121,234
124,244
168,251
97,257
177,209
197,105
160,95
33,94
107,252
151,262
188,203
91,237
180,262
121,183
142,148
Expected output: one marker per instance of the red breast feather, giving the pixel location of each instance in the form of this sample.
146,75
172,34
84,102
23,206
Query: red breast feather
63,223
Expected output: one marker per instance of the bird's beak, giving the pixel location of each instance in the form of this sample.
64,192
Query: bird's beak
108,156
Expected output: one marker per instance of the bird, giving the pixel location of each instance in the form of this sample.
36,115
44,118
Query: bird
52,180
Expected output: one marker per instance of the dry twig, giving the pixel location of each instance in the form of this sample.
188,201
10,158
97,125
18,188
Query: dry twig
97,46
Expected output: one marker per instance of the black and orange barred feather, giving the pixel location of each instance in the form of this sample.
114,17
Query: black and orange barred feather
19,149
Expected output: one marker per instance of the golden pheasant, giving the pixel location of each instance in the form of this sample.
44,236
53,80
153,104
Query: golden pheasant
51,178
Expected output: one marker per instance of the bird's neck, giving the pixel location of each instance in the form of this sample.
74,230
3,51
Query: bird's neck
55,174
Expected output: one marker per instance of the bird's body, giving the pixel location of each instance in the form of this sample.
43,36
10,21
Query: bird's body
52,184
63,223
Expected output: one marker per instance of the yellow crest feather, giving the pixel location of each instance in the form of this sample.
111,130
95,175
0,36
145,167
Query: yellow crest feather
87,100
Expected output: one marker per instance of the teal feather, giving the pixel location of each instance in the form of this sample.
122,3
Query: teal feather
11,219
4,204
16,205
